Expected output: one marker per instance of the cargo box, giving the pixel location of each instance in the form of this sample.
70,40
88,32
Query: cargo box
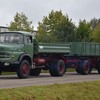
85,48
54,48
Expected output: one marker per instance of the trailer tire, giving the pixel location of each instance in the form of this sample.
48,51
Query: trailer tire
57,68
78,68
99,70
24,70
85,67
35,72
0,72
98,67
90,69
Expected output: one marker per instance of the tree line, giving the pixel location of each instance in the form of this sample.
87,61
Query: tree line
57,27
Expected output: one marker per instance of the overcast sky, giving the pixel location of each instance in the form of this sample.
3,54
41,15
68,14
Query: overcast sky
36,9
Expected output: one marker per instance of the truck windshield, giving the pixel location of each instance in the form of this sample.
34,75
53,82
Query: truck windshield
11,38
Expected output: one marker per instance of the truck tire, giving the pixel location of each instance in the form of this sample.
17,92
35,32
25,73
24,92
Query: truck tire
85,67
35,72
24,69
78,69
57,68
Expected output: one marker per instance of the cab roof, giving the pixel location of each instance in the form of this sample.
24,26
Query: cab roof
21,32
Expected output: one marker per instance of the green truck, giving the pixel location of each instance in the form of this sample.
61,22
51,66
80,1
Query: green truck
21,53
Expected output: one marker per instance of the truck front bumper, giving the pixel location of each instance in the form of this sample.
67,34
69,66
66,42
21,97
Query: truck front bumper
8,66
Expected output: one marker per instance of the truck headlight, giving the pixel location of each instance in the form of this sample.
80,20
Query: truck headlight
6,63
12,56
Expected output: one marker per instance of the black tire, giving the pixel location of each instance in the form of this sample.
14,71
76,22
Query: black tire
85,67
35,72
24,70
0,72
78,69
98,67
90,70
99,70
57,68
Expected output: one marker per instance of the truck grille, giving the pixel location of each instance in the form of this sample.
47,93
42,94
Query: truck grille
4,55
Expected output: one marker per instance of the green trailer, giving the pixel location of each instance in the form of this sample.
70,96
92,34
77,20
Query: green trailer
85,49
83,56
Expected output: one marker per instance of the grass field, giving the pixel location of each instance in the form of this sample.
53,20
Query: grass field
70,91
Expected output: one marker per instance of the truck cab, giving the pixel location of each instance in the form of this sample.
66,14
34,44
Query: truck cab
16,52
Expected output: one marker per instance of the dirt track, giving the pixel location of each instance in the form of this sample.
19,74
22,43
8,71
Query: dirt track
11,81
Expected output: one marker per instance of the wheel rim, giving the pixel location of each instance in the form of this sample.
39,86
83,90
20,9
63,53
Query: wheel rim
25,69
61,68
86,67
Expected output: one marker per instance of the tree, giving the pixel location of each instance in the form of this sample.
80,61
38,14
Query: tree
56,27
83,31
95,36
94,22
20,23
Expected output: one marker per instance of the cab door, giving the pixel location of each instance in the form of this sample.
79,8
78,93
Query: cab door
29,45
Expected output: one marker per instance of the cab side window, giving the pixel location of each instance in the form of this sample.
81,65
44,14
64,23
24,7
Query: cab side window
29,40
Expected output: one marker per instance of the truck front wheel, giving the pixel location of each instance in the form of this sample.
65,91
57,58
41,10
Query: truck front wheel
24,69
57,68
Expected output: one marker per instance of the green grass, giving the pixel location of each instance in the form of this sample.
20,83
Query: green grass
70,91
8,73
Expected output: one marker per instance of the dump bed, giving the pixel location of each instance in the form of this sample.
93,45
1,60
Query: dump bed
54,48
71,48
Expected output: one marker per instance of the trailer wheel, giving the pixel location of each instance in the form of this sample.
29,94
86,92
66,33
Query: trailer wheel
77,68
24,69
98,67
90,69
0,72
57,68
35,72
85,67
98,70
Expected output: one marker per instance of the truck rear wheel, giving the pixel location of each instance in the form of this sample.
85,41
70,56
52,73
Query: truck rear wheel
85,67
35,72
57,68
24,69
78,69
